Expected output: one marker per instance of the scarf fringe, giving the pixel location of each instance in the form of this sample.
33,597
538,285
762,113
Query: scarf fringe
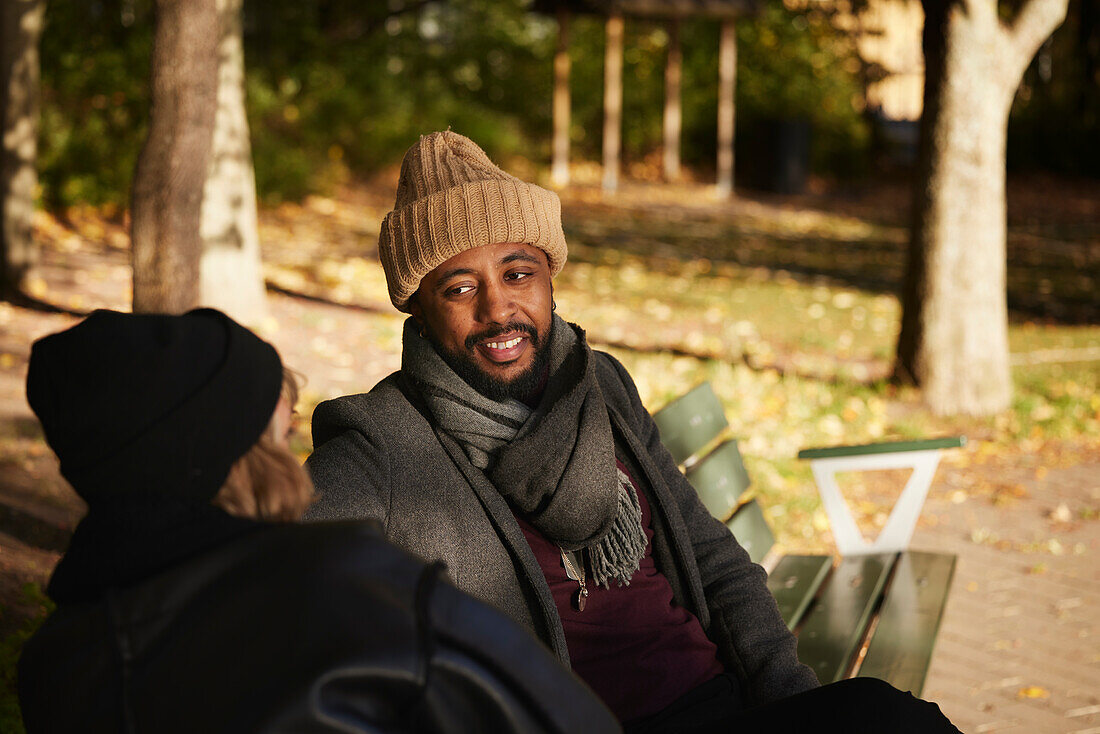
618,554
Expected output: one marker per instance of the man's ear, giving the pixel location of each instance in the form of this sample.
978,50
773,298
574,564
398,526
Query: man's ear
418,313
414,308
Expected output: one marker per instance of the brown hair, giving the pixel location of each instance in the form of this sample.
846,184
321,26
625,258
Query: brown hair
267,482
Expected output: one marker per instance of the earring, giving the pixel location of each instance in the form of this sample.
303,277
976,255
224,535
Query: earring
420,331
553,306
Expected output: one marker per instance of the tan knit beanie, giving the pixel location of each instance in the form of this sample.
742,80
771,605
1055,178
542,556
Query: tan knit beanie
451,198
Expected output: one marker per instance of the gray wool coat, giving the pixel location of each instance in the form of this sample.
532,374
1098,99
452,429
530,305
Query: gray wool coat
379,455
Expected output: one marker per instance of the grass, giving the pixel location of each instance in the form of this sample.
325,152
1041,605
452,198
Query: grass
11,721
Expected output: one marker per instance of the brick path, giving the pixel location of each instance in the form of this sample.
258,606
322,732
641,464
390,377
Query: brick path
1019,649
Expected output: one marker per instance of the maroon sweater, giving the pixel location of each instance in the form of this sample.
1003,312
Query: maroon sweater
632,644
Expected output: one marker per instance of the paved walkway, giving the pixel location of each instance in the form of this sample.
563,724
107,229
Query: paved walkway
1019,649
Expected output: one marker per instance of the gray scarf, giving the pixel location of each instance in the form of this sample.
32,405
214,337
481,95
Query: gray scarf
556,463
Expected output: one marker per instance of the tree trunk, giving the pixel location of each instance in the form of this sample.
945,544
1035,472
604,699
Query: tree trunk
231,273
172,168
673,121
727,84
954,335
612,101
20,29
559,172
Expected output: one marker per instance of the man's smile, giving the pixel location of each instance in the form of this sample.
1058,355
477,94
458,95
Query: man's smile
504,348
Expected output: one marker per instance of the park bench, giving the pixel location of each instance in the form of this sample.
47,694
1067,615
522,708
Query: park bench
875,611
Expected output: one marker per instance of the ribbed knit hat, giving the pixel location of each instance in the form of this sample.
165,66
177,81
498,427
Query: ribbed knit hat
152,404
451,198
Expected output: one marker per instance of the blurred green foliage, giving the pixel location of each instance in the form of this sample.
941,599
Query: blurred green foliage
796,65
337,89
11,645
334,89
95,99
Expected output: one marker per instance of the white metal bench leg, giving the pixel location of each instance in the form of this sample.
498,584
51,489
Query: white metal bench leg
903,517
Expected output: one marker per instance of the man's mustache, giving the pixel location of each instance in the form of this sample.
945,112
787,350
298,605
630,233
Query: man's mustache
474,339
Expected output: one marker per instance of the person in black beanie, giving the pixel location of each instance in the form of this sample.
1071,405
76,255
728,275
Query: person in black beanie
188,602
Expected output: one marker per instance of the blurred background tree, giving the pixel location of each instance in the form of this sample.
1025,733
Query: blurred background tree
20,27
172,167
338,89
231,271
954,329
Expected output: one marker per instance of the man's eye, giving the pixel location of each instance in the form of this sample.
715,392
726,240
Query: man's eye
458,290
517,275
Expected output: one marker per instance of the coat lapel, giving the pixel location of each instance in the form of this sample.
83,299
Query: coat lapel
504,522
664,506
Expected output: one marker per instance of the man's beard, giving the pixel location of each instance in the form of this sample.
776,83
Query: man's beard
495,388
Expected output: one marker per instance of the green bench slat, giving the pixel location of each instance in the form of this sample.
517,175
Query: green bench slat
795,581
752,530
901,650
892,447
719,479
834,628
690,422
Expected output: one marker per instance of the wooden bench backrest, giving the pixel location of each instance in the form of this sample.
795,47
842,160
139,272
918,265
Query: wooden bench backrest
690,422
752,530
720,479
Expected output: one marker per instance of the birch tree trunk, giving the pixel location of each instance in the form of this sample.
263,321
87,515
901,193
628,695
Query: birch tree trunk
172,168
231,273
954,334
612,101
559,172
727,85
673,119
20,29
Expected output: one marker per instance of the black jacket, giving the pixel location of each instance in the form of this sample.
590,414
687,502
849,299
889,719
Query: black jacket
295,628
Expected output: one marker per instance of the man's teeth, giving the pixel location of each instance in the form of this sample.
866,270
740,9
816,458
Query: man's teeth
505,345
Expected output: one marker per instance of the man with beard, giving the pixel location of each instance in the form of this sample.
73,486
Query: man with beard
526,461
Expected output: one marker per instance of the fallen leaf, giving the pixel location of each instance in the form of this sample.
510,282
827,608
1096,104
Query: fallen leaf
1033,692
37,287
1061,513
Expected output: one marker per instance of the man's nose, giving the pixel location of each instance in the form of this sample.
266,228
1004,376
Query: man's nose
495,305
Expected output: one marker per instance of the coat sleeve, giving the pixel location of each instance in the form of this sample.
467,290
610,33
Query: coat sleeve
431,659
350,467
491,675
744,618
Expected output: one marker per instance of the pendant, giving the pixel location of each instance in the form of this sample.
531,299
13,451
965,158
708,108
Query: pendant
574,569
580,598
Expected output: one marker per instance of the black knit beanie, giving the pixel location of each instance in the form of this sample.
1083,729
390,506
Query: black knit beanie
152,404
